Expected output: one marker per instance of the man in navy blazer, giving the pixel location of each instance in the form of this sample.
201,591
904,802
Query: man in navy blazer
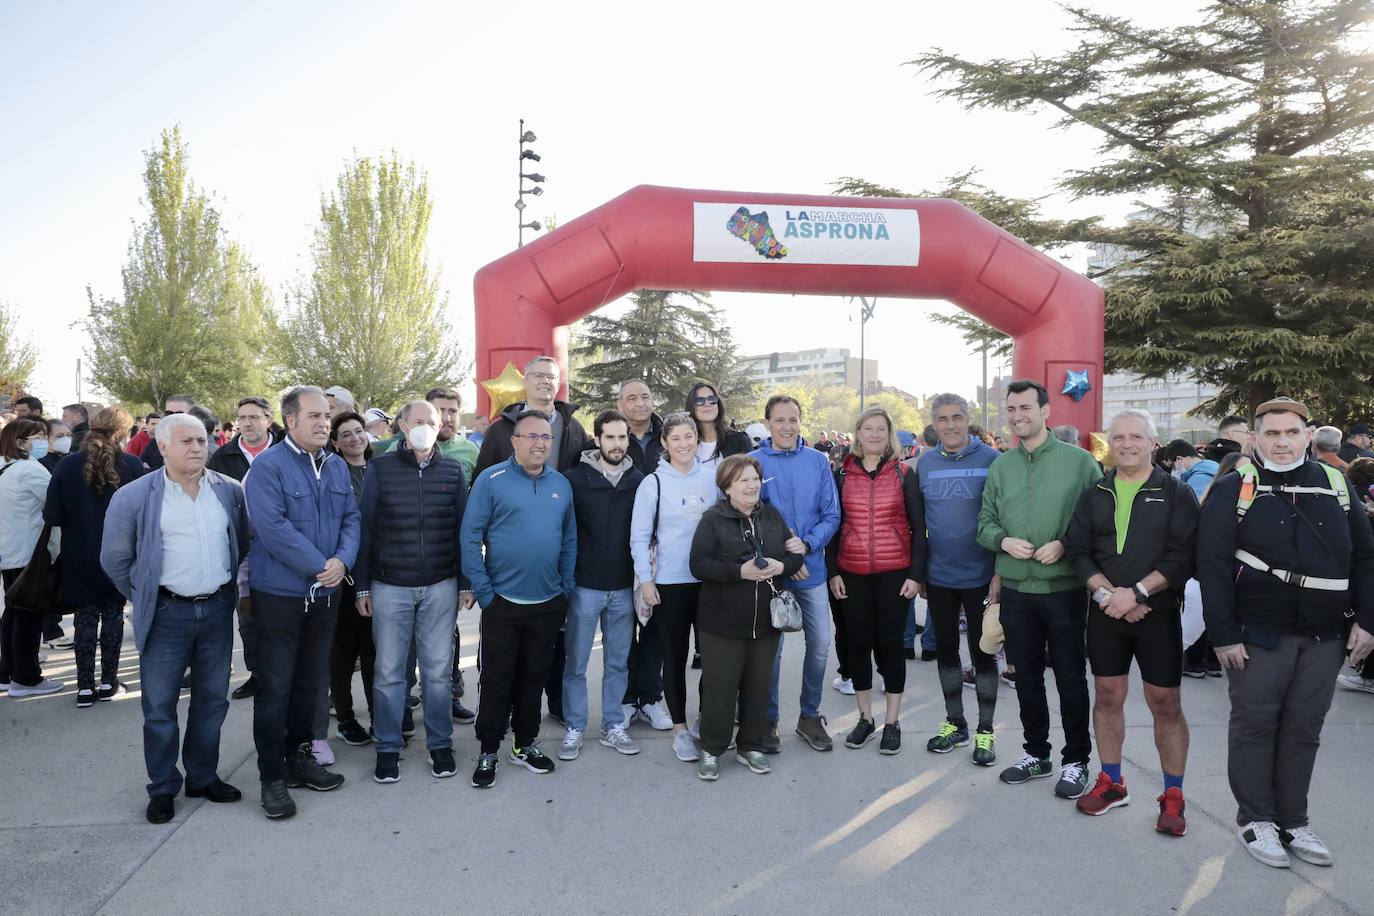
172,544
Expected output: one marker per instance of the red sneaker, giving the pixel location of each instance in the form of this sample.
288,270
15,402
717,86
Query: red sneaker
1171,813
1104,796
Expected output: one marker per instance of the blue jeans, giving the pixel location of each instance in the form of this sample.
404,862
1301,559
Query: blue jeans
198,635
422,614
927,635
815,605
615,610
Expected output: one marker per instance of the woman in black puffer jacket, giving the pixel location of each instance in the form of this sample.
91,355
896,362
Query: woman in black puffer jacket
739,555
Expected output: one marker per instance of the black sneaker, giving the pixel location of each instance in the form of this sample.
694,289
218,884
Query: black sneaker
407,723
531,758
909,652
892,740
107,692
412,701
948,738
1073,780
772,741
861,734
85,698
276,801
353,733
929,655
246,689
485,773
303,770
1027,768
1194,669
388,767
442,764
462,714
1212,664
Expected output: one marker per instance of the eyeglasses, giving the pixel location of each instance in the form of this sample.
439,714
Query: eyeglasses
708,399
251,418
535,438
543,376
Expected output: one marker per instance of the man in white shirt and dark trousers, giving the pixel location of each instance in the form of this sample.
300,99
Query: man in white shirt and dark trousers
172,544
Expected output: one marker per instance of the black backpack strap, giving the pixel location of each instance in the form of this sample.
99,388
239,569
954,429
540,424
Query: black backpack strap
658,500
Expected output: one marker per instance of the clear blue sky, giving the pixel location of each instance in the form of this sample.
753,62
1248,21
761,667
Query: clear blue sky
273,98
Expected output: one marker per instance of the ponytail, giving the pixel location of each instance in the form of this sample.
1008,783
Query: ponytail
102,447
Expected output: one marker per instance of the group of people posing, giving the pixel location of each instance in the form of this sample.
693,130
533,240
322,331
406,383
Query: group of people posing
339,551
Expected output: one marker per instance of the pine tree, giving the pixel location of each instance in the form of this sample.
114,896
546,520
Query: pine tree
666,339
1245,135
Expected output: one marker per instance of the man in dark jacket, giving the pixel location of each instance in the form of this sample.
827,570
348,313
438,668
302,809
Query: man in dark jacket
305,539
257,433
541,385
408,580
569,439
1285,561
603,488
177,403
1131,543
635,402
78,420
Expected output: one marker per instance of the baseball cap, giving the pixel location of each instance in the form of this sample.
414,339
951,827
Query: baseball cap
1180,448
1282,405
1218,449
373,414
1359,429
344,394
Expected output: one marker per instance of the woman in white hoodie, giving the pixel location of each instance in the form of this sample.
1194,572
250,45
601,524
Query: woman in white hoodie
23,490
668,505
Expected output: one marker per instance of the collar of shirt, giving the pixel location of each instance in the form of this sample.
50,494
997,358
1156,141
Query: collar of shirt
316,460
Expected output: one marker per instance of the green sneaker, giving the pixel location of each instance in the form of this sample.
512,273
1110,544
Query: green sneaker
948,738
984,749
1027,768
708,767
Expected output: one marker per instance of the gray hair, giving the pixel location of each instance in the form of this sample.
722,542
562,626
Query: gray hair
947,399
541,359
1327,439
1138,414
291,401
620,389
405,410
1066,433
173,422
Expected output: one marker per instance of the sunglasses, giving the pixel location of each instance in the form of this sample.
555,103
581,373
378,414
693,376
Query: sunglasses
757,548
701,401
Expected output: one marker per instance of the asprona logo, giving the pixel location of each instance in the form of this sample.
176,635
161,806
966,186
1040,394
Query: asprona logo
841,225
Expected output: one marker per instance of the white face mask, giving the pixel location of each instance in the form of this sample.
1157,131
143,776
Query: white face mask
62,444
422,437
1280,468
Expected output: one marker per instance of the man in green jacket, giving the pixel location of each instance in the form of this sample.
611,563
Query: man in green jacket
447,402
1027,503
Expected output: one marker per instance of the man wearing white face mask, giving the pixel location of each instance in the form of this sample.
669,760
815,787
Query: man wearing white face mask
408,579
1286,565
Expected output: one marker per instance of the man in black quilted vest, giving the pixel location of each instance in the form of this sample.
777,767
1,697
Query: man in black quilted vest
408,580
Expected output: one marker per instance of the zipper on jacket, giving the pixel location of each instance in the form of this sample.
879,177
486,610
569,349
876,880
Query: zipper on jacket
420,498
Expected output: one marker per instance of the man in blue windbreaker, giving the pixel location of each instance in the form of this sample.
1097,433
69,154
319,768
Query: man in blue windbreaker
798,483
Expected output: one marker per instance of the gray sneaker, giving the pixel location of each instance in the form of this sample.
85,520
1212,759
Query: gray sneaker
1027,768
616,739
812,731
709,767
685,748
756,762
571,746
1073,780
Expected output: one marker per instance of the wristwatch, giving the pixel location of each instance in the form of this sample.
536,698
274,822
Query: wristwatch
1141,592
1102,595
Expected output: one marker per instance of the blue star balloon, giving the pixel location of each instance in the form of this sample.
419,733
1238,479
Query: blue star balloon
1076,384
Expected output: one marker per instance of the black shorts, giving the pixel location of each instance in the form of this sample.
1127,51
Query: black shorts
1156,643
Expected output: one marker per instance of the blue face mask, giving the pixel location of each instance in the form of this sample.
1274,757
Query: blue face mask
39,449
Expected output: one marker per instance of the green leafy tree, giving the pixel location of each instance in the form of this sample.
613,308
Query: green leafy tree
194,311
370,316
1245,135
666,339
17,355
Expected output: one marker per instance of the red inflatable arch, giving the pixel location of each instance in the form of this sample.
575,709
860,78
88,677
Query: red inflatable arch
676,238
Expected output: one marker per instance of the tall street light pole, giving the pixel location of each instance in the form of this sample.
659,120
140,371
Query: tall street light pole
526,136
867,306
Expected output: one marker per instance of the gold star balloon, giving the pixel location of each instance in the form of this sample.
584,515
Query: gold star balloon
506,389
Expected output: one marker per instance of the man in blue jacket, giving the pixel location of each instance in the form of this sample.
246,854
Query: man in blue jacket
798,483
960,572
521,511
305,538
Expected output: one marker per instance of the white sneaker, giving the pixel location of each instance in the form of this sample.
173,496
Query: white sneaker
1304,844
616,739
571,746
1355,682
1261,840
657,716
685,748
45,686
843,685
631,712
62,642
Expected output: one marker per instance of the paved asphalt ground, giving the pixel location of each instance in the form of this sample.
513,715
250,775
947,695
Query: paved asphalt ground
841,832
